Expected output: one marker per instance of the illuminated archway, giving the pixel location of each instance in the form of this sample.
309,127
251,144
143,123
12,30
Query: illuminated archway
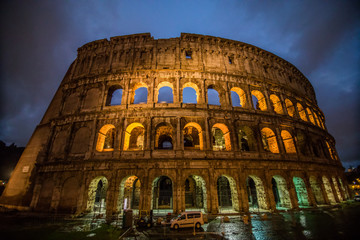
221,137
194,87
164,93
246,138
328,190
114,96
162,193
280,191
213,96
316,189
301,192
310,115
134,137
97,195
129,193
256,193
195,193
139,93
302,112
276,104
290,107
259,100
288,142
193,136
269,140
227,193
164,136
241,95
336,188
317,119
106,138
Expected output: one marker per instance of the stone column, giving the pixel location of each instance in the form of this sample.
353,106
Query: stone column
269,192
311,197
323,191
334,190
111,199
268,103
207,135
280,142
243,196
249,104
292,192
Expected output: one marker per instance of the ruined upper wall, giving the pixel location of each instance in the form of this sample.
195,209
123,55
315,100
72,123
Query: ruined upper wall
208,54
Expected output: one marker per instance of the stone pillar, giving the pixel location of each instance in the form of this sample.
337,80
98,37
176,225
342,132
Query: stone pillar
323,191
311,197
207,135
282,100
111,199
243,196
268,103
334,190
280,142
179,145
292,192
269,192
36,193
249,104
214,205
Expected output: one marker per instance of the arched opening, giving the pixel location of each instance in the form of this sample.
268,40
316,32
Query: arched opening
227,194
316,189
256,193
193,138
238,97
301,192
134,137
221,137
336,188
164,137
81,141
191,93
162,190
344,189
281,193
259,100
246,138
114,96
139,93
328,190
317,119
269,140
310,116
165,94
69,196
288,142
213,96
96,202
276,103
129,193
302,112
106,138
195,193
290,107
302,143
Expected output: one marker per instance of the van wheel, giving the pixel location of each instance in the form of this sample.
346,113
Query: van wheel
176,227
198,225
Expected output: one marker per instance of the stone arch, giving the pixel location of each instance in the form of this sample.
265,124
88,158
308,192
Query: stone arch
301,192
59,144
328,190
227,193
316,190
337,188
301,112
69,195
256,193
106,138
280,191
195,193
97,190
164,136
269,140
331,151
129,193
71,103
259,100
92,99
45,196
162,193
246,138
195,87
134,137
316,119
302,142
221,137
213,96
290,107
133,98
288,142
114,95
81,141
193,134
310,115
159,97
276,103
241,94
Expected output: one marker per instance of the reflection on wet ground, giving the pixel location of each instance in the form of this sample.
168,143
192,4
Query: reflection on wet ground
337,222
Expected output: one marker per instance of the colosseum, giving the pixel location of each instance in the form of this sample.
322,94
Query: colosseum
193,122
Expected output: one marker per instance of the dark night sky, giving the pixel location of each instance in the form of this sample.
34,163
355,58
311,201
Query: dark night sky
39,40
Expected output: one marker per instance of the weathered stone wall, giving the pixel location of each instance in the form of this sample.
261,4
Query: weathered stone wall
285,134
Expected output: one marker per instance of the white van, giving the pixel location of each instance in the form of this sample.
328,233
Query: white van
188,219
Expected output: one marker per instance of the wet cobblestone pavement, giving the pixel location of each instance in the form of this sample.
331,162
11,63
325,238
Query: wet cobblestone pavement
338,222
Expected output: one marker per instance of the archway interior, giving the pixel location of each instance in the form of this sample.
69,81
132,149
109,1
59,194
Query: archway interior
276,103
328,190
106,138
247,141
97,195
290,107
337,188
189,95
269,140
288,142
256,193
238,97
259,101
165,95
136,141
218,139
129,194
116,97
162,193
235,99
281,194
213,97
316,189
163,138
301,192
195,193
140,96
191,138
302,112
227,194
344,189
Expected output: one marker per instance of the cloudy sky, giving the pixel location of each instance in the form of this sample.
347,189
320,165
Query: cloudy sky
39,40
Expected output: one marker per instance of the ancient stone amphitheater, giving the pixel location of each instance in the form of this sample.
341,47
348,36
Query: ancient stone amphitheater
194,122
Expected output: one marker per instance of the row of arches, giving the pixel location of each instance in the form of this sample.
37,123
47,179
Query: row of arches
215,96
196,191
193,139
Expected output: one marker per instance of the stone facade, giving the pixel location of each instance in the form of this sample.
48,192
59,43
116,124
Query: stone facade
264,145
